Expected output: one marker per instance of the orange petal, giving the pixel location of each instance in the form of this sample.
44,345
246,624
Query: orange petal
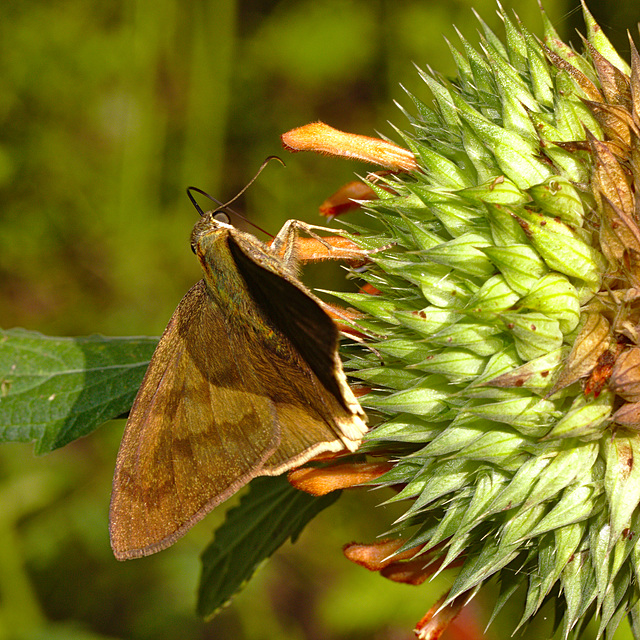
341,313
319,481
358,390
370,289
322,138
343,317
342,200
378,555
314,250
416,571
436,621
413,572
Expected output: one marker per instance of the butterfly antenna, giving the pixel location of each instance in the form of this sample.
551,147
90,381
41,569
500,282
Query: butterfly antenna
193,200
222,207
262,166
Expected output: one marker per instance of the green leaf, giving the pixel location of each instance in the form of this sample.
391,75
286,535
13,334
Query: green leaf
270,513
55,390
622,481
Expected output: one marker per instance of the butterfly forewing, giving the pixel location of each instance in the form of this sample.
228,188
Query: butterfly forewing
197,432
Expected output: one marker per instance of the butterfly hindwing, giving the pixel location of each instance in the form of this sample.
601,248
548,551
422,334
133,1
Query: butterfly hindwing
309,370
186,446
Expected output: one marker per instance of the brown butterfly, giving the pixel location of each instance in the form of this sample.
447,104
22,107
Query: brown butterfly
245,381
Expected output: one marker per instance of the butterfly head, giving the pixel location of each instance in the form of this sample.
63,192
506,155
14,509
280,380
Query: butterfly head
211,226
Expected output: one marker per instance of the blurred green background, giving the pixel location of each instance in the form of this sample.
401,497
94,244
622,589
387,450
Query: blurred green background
109,110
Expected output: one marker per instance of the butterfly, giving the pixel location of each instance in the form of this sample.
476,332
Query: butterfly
246,381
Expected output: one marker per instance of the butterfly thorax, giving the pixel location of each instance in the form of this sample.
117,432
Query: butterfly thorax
217,246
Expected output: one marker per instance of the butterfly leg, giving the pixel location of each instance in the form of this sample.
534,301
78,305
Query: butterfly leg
291,248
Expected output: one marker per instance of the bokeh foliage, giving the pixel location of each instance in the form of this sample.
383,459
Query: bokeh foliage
109,110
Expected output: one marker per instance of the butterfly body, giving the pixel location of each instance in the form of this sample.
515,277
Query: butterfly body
246,381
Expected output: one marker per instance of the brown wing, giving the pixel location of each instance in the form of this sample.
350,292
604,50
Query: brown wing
305,348
197,432
226,398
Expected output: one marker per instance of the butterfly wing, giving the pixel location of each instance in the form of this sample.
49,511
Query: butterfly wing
317,411
199,430
245,381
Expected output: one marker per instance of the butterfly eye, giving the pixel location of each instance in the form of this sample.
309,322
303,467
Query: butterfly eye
221,216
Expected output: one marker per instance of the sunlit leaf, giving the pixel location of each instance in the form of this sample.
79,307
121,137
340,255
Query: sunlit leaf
55,390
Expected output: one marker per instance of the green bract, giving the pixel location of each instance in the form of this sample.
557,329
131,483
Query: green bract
502,360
